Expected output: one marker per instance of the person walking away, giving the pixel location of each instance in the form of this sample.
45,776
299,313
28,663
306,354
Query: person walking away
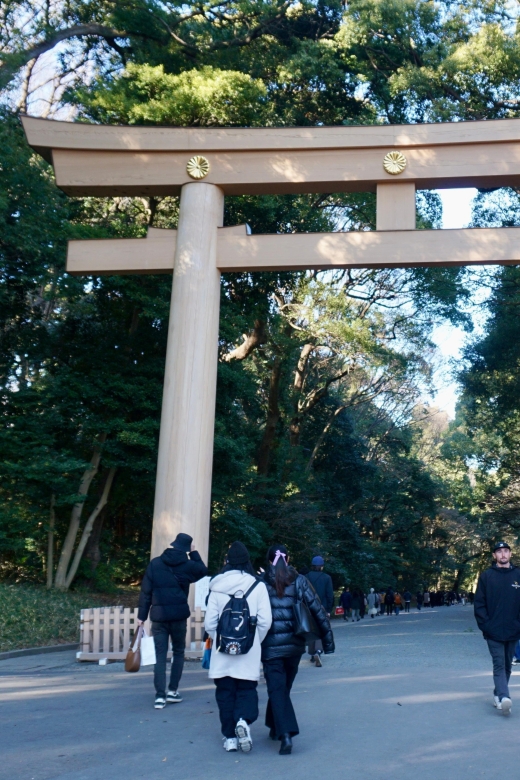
322,584
426,599
497,611
389,601
236,676
382,602
281,648
420,598
345,601
356,606
363,605
398,603
372,601
407,596
164,594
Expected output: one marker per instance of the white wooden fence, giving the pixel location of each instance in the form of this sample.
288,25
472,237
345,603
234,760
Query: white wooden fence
106,632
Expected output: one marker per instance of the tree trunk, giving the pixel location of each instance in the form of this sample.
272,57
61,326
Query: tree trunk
88,527
92,554
321,437
273,416
50,543
75,516
299,379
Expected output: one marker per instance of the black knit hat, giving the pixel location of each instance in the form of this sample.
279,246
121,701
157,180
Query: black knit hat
182,542
238,555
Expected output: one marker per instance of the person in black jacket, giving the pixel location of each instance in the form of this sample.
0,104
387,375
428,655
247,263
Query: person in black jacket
497,611
164,593
281,648
322,584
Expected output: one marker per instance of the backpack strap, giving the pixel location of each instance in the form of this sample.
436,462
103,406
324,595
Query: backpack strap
251,589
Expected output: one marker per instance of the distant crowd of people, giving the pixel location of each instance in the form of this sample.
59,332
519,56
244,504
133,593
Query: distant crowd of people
356,604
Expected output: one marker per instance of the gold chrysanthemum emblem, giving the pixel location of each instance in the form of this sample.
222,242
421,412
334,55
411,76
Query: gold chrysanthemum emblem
198,167
394,163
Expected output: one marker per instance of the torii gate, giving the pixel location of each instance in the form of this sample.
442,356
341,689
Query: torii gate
204,165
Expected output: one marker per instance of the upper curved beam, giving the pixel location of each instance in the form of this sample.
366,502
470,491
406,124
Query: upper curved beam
115,160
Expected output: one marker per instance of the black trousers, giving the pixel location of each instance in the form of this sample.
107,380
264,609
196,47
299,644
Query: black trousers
279,675
236,699
502,654
407,606
161,632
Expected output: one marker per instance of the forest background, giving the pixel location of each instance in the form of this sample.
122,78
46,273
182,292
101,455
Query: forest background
323,440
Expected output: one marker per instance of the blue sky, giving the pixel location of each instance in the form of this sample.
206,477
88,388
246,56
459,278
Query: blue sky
449,340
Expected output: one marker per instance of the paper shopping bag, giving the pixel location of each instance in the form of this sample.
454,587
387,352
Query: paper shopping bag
147,650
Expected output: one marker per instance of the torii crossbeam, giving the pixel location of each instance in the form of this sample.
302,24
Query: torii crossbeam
204,165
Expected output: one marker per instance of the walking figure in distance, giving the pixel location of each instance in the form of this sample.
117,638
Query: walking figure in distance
372,603
407,596
322,584
281,648
164,594
497,610
345,601
236,676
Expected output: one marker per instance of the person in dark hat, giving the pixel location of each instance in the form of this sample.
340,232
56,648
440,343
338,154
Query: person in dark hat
164,594
497,611
322,584
236,676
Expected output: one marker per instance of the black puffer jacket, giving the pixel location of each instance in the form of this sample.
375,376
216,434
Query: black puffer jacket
497,603
166,585
280,641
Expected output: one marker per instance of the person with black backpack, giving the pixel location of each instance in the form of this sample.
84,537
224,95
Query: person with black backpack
292,599
238,616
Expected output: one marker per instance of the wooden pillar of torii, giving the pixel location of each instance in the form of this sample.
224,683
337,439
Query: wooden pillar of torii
204,165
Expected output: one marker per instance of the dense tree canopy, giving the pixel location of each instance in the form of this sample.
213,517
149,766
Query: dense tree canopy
322,438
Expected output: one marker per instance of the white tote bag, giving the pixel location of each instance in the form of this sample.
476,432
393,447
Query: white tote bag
147,650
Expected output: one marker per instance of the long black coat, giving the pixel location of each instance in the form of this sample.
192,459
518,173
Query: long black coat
280,641
322,584
166,585
497,603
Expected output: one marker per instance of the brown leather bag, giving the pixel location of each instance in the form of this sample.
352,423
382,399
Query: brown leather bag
133,656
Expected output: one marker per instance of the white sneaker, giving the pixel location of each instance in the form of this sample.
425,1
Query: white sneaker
173,697
160,703
496,703
243,732
505,705
230,744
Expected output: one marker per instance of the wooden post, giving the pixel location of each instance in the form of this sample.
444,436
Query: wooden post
395,206
183,486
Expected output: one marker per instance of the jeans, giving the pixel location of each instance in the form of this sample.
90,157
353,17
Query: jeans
279,675
502,654
397,608
407,606
355,614
236,699
161,632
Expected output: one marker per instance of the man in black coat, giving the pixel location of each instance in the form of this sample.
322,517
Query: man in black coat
497,611
322,584
164,593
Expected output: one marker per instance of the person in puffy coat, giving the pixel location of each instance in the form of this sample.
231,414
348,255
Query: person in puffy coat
281,648
164,594
236,676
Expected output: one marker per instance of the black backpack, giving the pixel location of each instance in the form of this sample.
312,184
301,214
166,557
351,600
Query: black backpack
236,626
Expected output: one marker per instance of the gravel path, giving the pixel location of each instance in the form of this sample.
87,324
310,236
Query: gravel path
403,697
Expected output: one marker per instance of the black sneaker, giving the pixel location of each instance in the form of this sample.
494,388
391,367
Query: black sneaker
173,697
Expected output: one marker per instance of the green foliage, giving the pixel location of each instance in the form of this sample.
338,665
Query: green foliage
34,617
